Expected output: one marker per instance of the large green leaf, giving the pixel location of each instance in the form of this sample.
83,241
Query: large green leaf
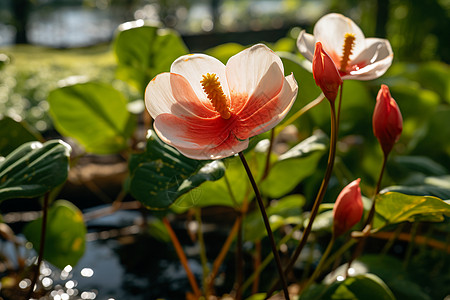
160,175
230,190
294,165
361,287
143,51
392,272
395,207
34,169
13,134
93,113
65,235
280,212
420,164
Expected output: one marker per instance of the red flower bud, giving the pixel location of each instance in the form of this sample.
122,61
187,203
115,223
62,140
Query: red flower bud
325,73
387,120
348,209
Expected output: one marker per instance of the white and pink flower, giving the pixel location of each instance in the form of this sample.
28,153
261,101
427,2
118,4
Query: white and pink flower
355,56
208,110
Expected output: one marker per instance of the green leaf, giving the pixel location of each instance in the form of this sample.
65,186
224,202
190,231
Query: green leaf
160,175
13,134
223,52
421,190
361,287
391,271
65,236
420,164
143,51
93,113
294,166
34,169
230,190
280,212
395,207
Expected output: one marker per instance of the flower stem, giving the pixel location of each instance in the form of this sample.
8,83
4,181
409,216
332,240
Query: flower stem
267,224
377,190
183,259
267,260
321,263
41,245
269,152
368,224
319,198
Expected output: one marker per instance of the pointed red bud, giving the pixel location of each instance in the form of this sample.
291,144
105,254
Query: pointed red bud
348,209
325,73
387,120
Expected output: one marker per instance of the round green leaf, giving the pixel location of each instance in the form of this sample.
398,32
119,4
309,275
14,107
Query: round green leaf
93,113
34,169
143,51
65,236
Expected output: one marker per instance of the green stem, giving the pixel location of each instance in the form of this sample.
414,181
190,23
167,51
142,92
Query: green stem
392,239
203,258
368,224
299,113
319,198
267,260
339,252
377,190
41,245
267,225
321,263
411,245
269,151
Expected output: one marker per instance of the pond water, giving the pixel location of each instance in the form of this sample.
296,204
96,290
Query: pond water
121,262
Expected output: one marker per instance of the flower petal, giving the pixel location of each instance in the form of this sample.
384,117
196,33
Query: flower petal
193,132
249,69
254,122
228,148
171,93
194,66
306,44
331,30
376,59
268,87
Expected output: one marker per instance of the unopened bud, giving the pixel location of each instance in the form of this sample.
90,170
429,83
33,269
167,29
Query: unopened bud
325,73
348,209
387,120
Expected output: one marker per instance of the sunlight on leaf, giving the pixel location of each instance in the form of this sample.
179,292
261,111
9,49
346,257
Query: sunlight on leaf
144,50
34,169
65,240
395,207
93,113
